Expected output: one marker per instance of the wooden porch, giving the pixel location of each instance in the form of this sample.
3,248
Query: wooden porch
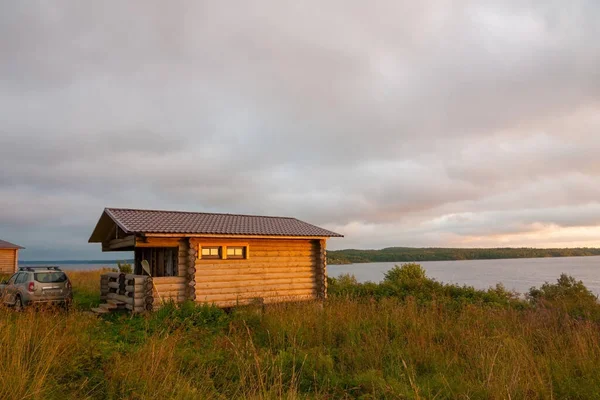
139,293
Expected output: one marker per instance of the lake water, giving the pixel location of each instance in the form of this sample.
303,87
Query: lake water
516,274
71,266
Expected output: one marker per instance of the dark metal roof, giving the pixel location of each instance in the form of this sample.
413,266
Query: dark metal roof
179,222
7,245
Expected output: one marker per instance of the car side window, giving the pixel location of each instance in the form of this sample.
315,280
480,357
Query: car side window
22,278
13,278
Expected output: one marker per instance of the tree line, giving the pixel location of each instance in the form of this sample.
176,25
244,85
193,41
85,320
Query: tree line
411,254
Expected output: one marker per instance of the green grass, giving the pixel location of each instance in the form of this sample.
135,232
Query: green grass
408,337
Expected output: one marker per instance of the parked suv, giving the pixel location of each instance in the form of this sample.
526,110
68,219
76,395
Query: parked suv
37,285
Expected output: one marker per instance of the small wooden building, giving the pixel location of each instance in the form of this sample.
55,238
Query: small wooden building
9,257
223,259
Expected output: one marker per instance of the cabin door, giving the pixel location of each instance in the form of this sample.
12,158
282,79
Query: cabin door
163,260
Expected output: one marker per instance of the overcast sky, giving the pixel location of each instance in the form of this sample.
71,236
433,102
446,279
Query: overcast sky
429,123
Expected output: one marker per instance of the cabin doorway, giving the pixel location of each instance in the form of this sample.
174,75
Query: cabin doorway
163,260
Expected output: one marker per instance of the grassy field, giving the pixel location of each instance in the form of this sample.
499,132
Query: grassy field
408,337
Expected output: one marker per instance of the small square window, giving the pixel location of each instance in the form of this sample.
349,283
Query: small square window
236,252
211,252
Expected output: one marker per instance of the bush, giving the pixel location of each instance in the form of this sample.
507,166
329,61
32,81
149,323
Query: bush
125,268
567,294
406,274
410,280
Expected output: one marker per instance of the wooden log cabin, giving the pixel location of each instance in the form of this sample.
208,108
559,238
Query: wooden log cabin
9,257
221,259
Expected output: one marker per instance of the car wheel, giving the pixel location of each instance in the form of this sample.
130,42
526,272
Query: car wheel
18,304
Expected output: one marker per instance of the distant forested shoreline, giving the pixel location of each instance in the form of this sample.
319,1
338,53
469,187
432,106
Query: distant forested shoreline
411,254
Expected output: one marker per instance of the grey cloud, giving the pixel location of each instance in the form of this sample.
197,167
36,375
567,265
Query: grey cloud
424,123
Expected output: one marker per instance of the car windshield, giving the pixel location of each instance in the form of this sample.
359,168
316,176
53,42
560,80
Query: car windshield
50,277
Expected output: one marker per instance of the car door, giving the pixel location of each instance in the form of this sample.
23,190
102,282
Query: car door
10,290
21,284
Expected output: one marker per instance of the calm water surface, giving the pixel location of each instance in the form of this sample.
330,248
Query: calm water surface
70,266
515,274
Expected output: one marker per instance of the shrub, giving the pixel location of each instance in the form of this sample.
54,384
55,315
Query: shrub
567,294
410,280
125,268
406,274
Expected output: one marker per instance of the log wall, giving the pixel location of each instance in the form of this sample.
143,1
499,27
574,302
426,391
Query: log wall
276,270
8,259
169,288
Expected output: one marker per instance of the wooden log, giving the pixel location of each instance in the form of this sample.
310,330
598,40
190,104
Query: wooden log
117,244
138,295
250,283
306,249
227,287
173,286
169,280
232,302
135,288
250,275
265,263
113,274
114,285
268,300
235,270
140,280
169,293
137,302
191,271
283,253
265,298
202,265
323,269
249,295
262,260
158,242
120,297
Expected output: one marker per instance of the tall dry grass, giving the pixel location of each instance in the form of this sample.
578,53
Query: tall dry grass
347,348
